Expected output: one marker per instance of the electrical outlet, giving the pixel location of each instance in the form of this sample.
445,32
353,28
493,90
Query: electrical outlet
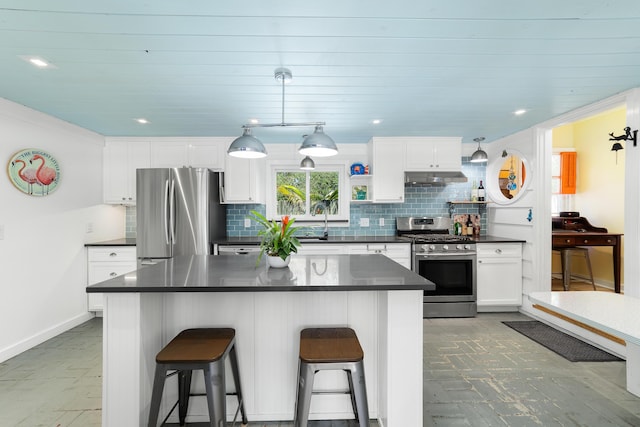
381,222
364,222
247,223
89,227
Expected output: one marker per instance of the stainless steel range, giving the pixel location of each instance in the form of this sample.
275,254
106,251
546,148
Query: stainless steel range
447,260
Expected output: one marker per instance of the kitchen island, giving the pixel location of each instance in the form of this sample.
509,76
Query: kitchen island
378,298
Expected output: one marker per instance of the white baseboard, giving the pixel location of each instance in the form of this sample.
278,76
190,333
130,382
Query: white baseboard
42,336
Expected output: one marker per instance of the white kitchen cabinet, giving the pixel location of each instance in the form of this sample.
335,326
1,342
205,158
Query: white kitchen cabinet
107,262
387,170
244,180
323,249
121,159
399,252
499,276
194,152
433,154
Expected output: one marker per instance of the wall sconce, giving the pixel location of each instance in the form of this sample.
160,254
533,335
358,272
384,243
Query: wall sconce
627,136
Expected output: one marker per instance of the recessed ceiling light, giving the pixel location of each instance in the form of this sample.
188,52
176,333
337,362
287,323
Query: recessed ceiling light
520,112
142,121
37,61
376,121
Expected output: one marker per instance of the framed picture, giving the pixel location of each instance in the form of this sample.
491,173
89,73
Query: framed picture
34,172
359,192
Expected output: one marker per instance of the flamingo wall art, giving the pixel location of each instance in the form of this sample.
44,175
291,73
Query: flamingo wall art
34,172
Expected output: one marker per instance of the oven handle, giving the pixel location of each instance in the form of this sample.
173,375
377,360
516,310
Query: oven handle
465,255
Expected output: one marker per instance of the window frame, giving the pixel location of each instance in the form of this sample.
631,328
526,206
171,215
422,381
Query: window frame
344,195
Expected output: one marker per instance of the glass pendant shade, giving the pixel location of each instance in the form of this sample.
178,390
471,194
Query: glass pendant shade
247,146
318,144
307,164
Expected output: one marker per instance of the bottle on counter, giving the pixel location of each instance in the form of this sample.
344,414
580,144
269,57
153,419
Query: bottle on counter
457,228
474,192
469,228
481,192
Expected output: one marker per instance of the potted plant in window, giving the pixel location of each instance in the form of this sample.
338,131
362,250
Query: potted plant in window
278,240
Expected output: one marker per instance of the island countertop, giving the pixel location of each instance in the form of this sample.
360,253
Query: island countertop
207,273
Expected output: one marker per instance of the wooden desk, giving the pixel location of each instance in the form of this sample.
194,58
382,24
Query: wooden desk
569,239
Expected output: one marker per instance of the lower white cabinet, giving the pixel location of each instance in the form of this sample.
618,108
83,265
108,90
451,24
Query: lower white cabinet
499,276
107,262
399,252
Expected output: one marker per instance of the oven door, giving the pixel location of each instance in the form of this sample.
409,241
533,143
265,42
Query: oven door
453,274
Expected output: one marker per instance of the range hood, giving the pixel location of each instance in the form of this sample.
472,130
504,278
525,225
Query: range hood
433,178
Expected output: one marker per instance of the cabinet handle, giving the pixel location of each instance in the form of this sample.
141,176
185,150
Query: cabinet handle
113,254
586,241
112,274
567,241
609,240
498,251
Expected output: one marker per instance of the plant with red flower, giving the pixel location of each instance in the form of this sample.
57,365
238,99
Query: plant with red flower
277,238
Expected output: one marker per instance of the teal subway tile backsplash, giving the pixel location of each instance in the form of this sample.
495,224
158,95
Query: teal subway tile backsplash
419,201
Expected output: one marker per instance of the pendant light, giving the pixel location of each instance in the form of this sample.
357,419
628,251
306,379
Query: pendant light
307,164
317,144
247,146
480,156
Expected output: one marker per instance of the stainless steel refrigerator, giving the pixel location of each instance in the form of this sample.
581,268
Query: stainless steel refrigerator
178,212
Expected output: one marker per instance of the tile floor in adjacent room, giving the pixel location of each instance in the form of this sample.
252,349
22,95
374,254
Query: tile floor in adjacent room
477,372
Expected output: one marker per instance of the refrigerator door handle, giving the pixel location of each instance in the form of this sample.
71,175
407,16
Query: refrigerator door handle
221,194
172,210
165,211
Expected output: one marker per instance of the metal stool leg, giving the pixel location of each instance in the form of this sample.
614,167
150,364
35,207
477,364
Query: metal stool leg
233,358
360,391
566,269
216,397
156,395
184,390
305,389
586,257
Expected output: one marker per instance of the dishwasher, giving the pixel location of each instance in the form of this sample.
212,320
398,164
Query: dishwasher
238,250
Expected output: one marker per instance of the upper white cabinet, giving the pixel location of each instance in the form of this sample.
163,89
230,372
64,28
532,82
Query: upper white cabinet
433,153
194,152
121,159
388,170
244,180
499,276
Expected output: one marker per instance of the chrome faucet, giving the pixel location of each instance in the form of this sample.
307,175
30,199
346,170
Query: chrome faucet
324,205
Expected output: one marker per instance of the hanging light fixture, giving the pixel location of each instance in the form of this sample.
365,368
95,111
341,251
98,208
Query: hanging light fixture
317,144
247,146
307,164
480,156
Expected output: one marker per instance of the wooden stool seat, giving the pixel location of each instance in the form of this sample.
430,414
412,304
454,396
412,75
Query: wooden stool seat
204,345
204,349
330,345
330,349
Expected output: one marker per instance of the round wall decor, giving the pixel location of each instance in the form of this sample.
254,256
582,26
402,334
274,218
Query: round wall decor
34,172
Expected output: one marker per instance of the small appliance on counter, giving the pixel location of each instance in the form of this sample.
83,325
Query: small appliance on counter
178,212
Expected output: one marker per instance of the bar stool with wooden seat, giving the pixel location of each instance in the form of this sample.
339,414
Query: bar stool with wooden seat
204,349
331,349
565,261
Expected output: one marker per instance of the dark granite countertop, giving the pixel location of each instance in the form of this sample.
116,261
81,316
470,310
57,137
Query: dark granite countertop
208,273
115,242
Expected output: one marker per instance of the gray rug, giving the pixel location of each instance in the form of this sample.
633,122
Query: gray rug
565,345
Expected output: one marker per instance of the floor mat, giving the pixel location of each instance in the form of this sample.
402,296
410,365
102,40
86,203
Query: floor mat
565,345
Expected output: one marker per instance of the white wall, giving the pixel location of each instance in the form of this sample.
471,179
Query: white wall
42,255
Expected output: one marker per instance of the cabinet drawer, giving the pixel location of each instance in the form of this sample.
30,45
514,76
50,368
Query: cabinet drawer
502,250
103,271
595,240
112,253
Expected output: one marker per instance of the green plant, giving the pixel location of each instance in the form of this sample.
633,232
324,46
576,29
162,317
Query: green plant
277,237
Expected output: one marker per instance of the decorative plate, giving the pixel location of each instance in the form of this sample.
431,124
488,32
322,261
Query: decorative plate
34,172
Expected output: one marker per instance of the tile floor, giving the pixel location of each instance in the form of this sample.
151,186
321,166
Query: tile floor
477,372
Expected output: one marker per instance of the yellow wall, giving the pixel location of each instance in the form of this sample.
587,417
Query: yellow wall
600,192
